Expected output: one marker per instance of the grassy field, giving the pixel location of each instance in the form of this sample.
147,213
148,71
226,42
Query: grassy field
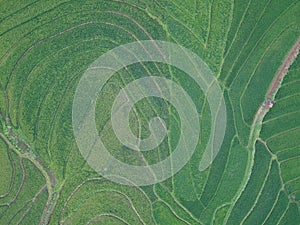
45,47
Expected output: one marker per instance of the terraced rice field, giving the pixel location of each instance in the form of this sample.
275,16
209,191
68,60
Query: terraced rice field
45,48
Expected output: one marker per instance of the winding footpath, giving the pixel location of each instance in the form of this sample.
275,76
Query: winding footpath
271,93
17,144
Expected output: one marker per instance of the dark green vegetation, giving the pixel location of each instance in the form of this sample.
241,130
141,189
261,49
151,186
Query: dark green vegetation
45,46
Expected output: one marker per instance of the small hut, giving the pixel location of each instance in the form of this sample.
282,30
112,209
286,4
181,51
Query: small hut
269,103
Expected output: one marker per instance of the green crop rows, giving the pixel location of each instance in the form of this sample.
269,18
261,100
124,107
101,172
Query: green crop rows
45,47
280,132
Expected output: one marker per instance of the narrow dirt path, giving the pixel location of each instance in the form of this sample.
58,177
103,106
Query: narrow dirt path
23,151
271,93
283,70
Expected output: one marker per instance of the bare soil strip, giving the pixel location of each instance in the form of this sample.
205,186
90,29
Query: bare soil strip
270,96
283,69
